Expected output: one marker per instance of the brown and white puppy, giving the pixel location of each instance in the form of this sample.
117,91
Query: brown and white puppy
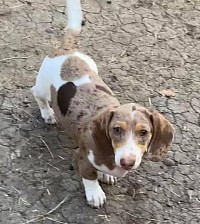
112,138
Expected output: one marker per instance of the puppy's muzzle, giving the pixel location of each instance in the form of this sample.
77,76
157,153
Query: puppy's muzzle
128,162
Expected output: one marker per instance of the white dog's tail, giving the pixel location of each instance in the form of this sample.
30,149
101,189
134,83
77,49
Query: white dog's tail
74,14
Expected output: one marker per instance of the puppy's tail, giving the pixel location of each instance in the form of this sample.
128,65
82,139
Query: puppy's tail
74,14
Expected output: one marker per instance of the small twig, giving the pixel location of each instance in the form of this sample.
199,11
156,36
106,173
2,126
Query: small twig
16,117
48,191
16,6
172,192
24,201
47,147
130,214
123,53
39,136
61,157
6,59
55,220
27,113
178,182
165,187
53,166
105,216
36,219
16,190
49,212
2,188
57,206
150,104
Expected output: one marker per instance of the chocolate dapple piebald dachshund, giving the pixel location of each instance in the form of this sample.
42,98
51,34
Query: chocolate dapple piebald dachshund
112,138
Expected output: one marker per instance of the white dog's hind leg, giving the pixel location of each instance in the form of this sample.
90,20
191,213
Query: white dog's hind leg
46,111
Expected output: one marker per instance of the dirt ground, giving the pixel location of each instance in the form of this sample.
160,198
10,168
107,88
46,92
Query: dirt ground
141,47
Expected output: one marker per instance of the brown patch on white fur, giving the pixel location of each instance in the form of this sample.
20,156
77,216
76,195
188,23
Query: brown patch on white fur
74,68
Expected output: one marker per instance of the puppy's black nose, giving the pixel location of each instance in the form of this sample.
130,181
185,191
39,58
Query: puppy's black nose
127,163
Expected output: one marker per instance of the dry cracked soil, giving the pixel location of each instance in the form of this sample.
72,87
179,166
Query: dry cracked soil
141,47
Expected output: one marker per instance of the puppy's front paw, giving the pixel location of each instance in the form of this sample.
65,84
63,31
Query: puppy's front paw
94,194
106,178
48,116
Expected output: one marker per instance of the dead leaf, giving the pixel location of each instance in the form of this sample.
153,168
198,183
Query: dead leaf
167,93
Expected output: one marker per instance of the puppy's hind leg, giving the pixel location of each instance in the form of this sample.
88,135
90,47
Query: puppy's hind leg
46,111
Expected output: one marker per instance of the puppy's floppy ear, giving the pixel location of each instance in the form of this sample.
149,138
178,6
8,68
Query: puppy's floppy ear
102,121
106,121
162,137
100,135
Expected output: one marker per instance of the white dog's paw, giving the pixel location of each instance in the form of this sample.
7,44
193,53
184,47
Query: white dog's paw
94,194
48,116
106,178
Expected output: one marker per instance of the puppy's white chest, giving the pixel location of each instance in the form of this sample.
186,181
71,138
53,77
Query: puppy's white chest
117,171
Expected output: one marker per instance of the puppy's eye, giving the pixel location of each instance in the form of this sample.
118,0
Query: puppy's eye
143,132
117,130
